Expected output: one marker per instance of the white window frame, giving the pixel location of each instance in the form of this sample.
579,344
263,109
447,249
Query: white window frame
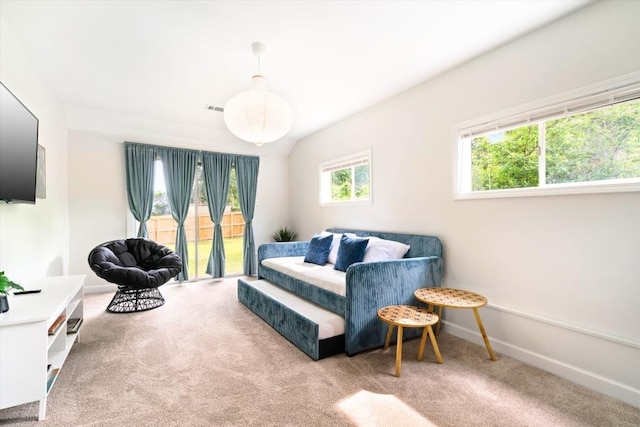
606,93
355,159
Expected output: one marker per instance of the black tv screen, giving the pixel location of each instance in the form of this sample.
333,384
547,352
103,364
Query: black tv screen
18,149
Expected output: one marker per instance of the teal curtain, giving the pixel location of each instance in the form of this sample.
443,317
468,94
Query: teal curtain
139,166
247,176
179,171
217,173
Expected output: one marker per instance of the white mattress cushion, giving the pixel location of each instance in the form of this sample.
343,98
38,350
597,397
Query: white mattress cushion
324,276
329,324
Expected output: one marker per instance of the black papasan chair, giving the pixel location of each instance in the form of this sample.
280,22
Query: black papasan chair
138,266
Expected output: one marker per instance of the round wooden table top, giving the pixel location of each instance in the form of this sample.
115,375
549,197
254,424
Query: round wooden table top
449,297
407,315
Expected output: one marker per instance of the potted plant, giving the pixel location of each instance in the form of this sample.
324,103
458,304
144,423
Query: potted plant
284,235
5,286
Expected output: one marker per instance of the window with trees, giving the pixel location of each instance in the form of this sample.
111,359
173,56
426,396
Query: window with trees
347,179
584,141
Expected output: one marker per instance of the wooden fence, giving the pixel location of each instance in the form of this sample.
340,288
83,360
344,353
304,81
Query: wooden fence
162,228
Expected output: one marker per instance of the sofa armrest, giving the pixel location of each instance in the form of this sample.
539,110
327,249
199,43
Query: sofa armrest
371,286
280,249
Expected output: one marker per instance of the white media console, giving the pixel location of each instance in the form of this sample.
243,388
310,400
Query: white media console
32,347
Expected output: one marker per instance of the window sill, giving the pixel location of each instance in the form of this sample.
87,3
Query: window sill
346,203
554,190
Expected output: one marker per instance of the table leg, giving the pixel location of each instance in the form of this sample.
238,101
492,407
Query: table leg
423,341
389,332
440,307
399,352
434,343
484,333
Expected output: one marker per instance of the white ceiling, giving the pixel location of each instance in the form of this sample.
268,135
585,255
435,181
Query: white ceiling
149,67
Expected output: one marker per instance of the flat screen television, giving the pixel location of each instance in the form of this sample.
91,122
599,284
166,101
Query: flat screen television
18,150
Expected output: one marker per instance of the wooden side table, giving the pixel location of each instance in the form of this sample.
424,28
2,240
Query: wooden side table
406,316
456,298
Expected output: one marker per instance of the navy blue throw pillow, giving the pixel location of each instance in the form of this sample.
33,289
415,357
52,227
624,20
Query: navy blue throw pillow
319,249
351,250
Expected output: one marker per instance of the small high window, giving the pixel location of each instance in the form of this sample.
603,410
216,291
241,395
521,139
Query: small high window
347,179
583,141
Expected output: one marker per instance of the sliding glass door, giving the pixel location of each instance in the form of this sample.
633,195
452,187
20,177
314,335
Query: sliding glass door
199,227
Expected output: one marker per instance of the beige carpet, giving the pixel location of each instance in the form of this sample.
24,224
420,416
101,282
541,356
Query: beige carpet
203,359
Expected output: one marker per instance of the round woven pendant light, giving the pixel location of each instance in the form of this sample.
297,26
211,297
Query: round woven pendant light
257,115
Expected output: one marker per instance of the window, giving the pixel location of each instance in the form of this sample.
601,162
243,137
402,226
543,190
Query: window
347,179
584,141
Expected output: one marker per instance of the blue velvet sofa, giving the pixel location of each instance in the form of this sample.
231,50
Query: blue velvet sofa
369,286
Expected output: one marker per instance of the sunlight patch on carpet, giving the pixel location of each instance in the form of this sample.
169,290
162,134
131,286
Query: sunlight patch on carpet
365,409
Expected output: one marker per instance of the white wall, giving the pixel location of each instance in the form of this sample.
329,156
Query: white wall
34,239
560,272
97,199
272,207
98,208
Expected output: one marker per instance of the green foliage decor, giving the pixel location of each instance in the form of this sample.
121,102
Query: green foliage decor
284,235
6,285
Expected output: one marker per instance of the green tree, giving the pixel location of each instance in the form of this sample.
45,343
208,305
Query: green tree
362,182
505,159
597,145
201,197
232,198
341,185
160,204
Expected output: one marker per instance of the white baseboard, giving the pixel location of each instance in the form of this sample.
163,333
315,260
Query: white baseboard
572,373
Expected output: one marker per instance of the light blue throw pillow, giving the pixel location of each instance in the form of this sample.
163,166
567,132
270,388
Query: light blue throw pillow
351,250
319,249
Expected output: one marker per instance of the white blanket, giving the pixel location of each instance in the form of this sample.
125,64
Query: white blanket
324,276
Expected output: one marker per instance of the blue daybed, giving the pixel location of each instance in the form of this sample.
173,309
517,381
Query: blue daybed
279,298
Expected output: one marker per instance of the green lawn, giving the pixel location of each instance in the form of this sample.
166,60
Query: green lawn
233,255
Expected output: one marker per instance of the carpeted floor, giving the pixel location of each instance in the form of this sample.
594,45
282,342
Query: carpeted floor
203,359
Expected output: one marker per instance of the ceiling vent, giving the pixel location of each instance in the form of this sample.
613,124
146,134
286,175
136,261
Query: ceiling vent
213,108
